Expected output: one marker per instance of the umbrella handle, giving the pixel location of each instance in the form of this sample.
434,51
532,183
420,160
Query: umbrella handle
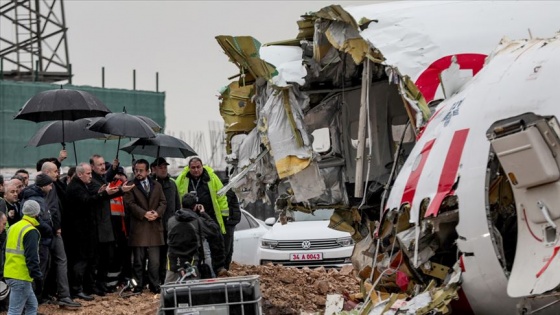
63,145
118,147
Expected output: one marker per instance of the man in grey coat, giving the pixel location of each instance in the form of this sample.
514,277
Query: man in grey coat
146,205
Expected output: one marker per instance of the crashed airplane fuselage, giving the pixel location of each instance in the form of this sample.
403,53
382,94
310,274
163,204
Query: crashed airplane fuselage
328,119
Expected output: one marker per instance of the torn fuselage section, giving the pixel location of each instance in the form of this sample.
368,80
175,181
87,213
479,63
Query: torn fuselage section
302,101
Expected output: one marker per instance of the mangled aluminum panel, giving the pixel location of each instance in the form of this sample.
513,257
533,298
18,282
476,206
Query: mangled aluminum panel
260,172
281,129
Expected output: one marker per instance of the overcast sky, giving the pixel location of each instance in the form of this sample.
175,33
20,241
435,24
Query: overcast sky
176,39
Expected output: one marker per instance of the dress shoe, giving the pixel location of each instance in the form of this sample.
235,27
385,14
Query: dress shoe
83,296
97,291
103,287
42,301
137,289
111,289
155,289
68,302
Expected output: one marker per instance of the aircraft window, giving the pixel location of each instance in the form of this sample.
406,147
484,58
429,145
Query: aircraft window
321,140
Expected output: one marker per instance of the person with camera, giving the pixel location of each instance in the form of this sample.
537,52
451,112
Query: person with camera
187,229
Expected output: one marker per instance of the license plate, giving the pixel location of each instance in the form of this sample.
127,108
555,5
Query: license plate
306,256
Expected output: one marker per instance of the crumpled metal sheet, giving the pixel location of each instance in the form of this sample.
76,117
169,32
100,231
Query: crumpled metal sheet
253,185
289,142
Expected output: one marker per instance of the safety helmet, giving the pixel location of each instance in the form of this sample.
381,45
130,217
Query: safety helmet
4,290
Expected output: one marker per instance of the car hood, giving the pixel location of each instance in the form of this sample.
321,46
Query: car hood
306,230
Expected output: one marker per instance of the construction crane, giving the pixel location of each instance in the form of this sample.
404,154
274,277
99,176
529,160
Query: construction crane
33,41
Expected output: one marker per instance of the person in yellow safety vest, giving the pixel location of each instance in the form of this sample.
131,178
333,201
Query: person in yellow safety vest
203,181
21,267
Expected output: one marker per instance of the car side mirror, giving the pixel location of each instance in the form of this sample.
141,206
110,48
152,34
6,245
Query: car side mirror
270,221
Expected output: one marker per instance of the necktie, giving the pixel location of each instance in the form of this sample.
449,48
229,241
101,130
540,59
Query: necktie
146,186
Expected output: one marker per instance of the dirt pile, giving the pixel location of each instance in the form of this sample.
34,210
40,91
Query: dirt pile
285,290
289,290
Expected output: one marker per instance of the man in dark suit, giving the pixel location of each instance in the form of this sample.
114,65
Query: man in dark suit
82,229
146,205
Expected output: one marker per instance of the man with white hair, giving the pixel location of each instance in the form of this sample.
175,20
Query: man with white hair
22,260
82,234
9,205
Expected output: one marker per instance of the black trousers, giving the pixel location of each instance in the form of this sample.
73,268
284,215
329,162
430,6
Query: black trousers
228,245
122,261
106,253
139,265
82,265
163,258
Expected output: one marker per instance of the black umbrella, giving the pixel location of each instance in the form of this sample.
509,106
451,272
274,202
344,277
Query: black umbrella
62,104
154,125
75,130
160,146
122,125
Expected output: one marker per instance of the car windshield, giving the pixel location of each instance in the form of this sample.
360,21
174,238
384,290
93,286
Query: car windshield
318,215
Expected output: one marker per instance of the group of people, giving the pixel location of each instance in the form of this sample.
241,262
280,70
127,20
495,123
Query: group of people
65,235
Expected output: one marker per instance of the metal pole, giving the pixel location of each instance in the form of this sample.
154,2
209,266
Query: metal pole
103,77
133,80
157,81
70,72
358,182
1,68
36,78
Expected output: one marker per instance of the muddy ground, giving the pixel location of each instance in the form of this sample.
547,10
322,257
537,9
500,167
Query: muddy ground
284,290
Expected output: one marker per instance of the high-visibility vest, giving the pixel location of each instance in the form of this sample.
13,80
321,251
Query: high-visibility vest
15,266
117,203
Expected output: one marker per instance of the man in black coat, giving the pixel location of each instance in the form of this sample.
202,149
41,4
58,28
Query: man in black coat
83,204
232,220
37,192
106,236
161,175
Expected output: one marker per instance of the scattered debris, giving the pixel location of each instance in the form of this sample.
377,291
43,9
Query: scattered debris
285,291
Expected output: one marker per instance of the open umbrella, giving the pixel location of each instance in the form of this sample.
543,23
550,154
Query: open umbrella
62,104
122,125
75,130
154,125
159,146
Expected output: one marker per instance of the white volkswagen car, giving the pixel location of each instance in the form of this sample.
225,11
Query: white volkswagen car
306,241
247,237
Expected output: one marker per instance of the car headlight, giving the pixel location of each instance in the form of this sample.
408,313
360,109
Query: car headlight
270,244
345,241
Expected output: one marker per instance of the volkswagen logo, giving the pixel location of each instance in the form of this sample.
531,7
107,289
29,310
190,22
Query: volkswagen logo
306,244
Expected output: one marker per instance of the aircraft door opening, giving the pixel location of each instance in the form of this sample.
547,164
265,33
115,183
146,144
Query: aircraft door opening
526,148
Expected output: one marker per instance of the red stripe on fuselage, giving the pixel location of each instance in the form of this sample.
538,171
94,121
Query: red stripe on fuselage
412,182
449,172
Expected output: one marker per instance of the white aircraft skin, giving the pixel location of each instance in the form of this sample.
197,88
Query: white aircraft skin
520,77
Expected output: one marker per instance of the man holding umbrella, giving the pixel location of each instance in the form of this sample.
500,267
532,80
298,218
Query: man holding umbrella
105,233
